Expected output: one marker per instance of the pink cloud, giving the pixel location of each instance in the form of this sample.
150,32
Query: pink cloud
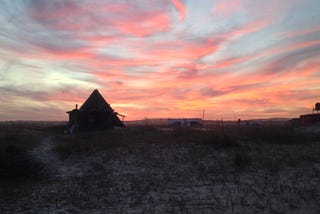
227,7
144,25
250,27
184,50
180,8
128,19
299,32
228,62
292,47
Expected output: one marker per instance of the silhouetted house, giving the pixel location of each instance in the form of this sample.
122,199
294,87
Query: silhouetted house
94,114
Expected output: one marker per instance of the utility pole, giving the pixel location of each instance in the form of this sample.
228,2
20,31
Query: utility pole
203,114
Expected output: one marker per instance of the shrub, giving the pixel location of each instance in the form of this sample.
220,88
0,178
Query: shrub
221,141
15,160
17,163
57,129
273,165
274,134
241,160
87,142
22,138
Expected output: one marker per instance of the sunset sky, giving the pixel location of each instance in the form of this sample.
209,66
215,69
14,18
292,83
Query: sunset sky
158,59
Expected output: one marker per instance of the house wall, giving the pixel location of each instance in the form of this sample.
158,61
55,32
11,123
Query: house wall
84,120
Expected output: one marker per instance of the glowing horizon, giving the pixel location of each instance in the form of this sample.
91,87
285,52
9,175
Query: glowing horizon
160,59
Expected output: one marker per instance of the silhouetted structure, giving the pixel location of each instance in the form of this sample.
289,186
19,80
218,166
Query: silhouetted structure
311,119
94,114
316,107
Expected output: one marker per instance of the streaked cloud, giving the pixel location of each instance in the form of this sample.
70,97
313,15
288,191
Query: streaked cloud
168,58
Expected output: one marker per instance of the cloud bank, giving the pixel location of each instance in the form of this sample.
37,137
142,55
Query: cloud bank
168,58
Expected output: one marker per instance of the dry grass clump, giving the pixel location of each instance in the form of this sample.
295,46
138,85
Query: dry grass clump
241,160
223,137
89,142
276,135
221,141
16,162
26,138
54,129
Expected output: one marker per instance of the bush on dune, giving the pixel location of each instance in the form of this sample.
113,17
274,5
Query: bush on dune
22,138
221,141
278,135
17,163
87,142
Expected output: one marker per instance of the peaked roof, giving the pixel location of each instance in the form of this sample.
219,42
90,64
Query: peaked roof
95,102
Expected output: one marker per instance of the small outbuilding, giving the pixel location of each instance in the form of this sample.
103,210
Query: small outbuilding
311,119
94,114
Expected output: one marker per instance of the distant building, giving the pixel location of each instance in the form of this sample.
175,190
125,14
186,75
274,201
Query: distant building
185,122
251,122
94,114
311,119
